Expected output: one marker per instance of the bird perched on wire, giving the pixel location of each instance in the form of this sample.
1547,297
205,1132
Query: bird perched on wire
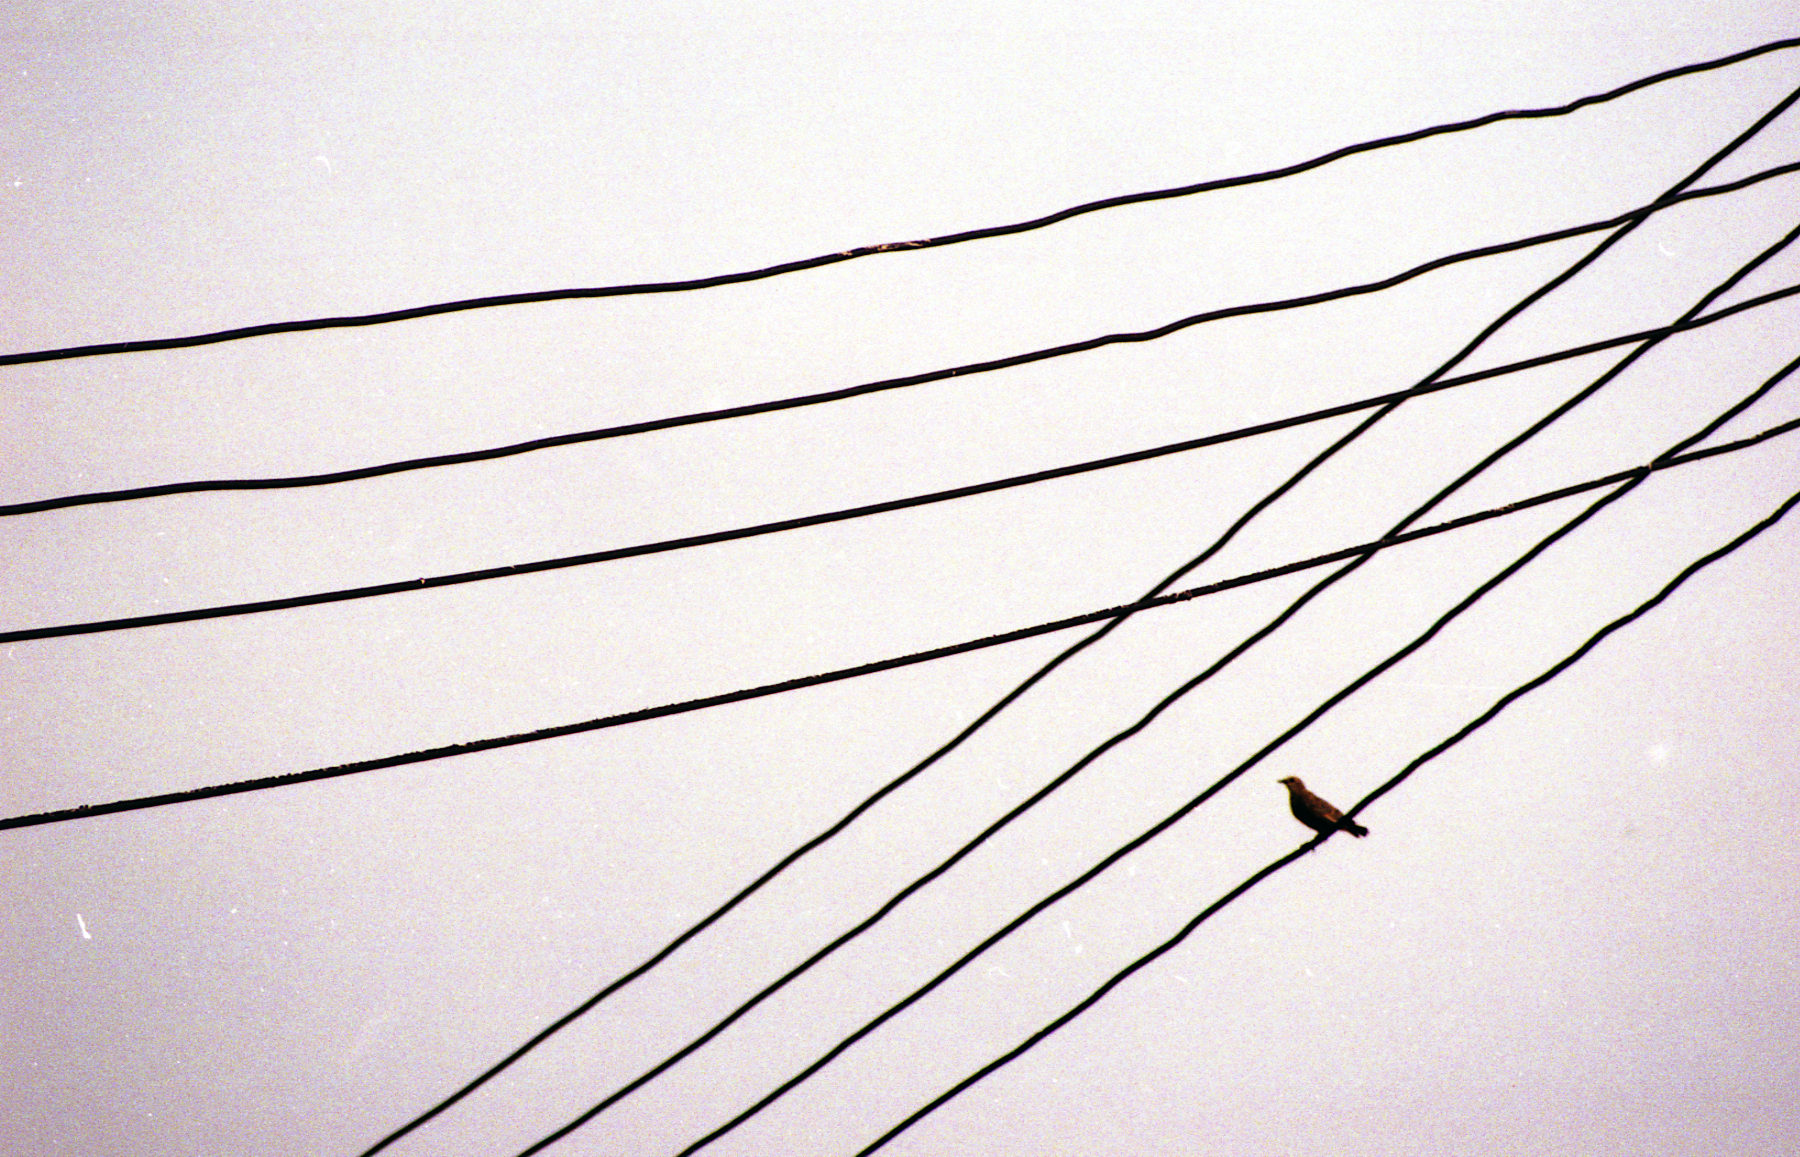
1316,814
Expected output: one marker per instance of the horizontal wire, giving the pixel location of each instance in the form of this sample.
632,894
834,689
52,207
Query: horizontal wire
1480,592
490,743
298,326
493,742
40,505
469,747
844,821
1271,868
319,598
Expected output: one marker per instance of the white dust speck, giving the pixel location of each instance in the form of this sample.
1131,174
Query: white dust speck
1657,754
82,924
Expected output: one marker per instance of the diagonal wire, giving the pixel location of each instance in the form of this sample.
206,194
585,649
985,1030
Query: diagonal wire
1694,311
1088,618
1185,809
1270,869
439,308
871,801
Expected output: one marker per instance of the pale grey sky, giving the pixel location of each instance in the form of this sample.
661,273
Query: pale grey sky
1571,935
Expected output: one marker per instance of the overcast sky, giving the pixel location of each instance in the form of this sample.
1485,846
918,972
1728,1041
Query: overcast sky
1571,934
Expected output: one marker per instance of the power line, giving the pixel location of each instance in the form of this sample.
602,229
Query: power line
1270,869
490,743
201,486
590,558
1115,619
630,429
1694,311
1185,809
1057,782
891,786
439,308
425,755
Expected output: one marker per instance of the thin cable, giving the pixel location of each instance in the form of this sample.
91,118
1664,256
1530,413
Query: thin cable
1480,592
1736,277
213,791
888,247
1646,338
1038,907
925,879
40,505
194,487
1615,238
1365,427
869,802
1270,869
1042,672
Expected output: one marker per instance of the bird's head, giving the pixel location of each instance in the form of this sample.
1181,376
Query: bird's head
1292,781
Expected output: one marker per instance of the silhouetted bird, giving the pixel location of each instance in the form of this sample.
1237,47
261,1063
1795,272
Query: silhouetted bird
1315,813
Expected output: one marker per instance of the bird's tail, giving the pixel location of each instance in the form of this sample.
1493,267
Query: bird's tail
1354,828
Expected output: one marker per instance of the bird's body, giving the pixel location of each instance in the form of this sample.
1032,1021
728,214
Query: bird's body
1315,813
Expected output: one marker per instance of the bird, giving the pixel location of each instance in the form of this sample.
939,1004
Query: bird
1315,813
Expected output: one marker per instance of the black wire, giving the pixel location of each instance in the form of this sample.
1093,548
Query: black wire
1116,620
212,791
1185,809
843,822
590,558
40,505
922,881
492,742
855,813
888,247
633,428
1120,612
1270,869
1093,998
